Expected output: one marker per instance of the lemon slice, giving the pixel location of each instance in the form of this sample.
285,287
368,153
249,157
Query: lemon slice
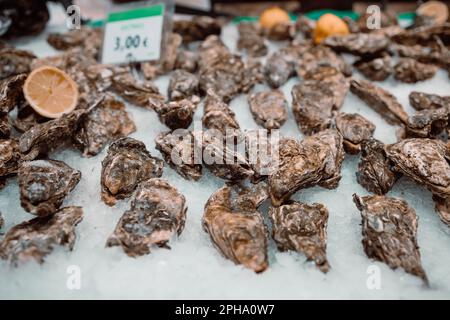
51,92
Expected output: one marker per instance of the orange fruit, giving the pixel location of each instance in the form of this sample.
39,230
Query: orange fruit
328,25
50,92
435,9
273,16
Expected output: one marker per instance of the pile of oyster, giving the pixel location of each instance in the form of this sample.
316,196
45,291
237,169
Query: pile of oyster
233,217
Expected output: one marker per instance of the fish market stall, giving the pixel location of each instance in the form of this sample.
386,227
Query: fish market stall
354,207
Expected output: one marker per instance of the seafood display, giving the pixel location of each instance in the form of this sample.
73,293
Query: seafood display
266,130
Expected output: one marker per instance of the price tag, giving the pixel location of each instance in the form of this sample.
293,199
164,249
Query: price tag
133,35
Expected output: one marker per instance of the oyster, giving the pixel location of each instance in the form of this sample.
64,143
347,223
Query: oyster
135,91
301,227
217,114
220,156
253,74
23,18
422,101
304,27
315,160
280,31
36,238
390,233
411,71
360,44
157,212
186,60
423,160
27,118
105,123
175,114
261,151
442,207
375,69
90,39
354,128
127,164
5,126
380,100
425,35
280,66
236,227
374,169
167,63
268,108
388,19
11,94
317,99
40,139
219,69
44,184
9,159
312,58
14,61
197,28
182,85
178,150
250,40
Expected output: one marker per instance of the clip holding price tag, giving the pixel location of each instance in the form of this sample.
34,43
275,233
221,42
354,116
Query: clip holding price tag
133,35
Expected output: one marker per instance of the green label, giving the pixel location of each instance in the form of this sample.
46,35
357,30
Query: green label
157,10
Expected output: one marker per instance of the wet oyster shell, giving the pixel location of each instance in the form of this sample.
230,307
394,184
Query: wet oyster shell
423,160
102,125
427,123
182,85
11,94
220,159
315,160
375,69
301,227
374,169
380,100
411,71
36,238
236,228
178,152
360,44
40,139
44,184
251,41
217,114
176,114
316,100
422,100
135,91
354,128
389,229
9,158
197,28
268,108
126,165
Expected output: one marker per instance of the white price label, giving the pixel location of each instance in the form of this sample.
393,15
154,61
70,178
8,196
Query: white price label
134,35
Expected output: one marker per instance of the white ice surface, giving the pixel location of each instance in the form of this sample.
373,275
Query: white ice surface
193,268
